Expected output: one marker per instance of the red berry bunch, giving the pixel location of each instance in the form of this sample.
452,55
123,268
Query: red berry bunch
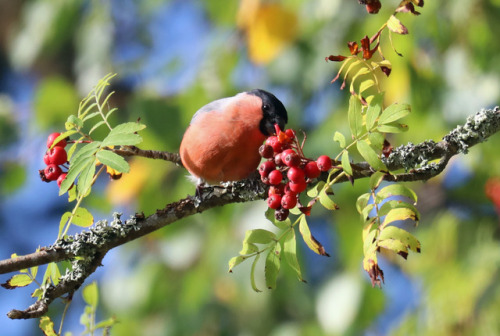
287,171
54,158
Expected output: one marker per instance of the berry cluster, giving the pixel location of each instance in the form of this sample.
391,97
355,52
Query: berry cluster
287,171
54,158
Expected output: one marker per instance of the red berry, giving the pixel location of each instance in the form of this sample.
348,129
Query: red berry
290,133
60,179
266,167
46,159
57,155
52,172
296,175
275,177
274,201
290,158
274,143
276,190
264,179
289,201
311,169
51,139
373,7
278,161
297,187
266,151
281,214
324,163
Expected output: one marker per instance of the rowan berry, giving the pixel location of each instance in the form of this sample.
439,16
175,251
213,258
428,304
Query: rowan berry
52,172
278,189
296,175
311,170
266,151
60,179
281,214
51,139
290,133
275,177
57,155
290,158
266,167
298,187
274,143
289,201
274,201
324,163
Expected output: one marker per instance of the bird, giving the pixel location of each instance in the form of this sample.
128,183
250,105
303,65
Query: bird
221,144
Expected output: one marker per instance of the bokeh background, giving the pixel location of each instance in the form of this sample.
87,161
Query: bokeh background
172,57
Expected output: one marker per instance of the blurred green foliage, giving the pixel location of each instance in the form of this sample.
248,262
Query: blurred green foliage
175,281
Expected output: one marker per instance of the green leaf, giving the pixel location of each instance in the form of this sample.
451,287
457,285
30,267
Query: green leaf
369,154
34,271
361,72
326,201
362,202
82,217
96,126
365,212
314,191
398,214
393,232
369,242
91,294
376,179
252,274
47,326
259,236
272,268
365,85
235,261
290,253
393,113
395,189
394,204
86,177
64,220
74,170
73,122
127,128
18,280
111,112
85,152
376,140
373,110
392,128
248,248
283,225
340,138
309,239
354,116
394,245
37,293
346,163
91,115
121,139
52,272
106,323
113,160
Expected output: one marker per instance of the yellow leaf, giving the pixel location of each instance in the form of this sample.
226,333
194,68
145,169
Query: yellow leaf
396,26
123,191
269,28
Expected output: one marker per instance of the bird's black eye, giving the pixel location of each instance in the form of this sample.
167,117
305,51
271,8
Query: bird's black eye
265,107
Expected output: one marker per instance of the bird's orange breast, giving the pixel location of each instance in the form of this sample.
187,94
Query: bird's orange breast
223,145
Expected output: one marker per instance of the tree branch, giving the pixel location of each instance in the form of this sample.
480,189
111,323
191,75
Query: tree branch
91,246
150,154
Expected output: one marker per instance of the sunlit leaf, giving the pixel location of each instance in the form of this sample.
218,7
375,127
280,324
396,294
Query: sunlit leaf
86,177
354,116
259,236
392,128
82,217
235,261
395,233
396,26
252,274
64,220
346,163
369,154
393,113
113,161
394,204
248,248
272,268
398,214
314,191
340,138
365,85
90,294
290,253
373,110
362,201
376,179
311,242
326,201
18,280
47,326
396,189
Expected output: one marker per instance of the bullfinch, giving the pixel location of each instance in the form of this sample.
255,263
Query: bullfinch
222,141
